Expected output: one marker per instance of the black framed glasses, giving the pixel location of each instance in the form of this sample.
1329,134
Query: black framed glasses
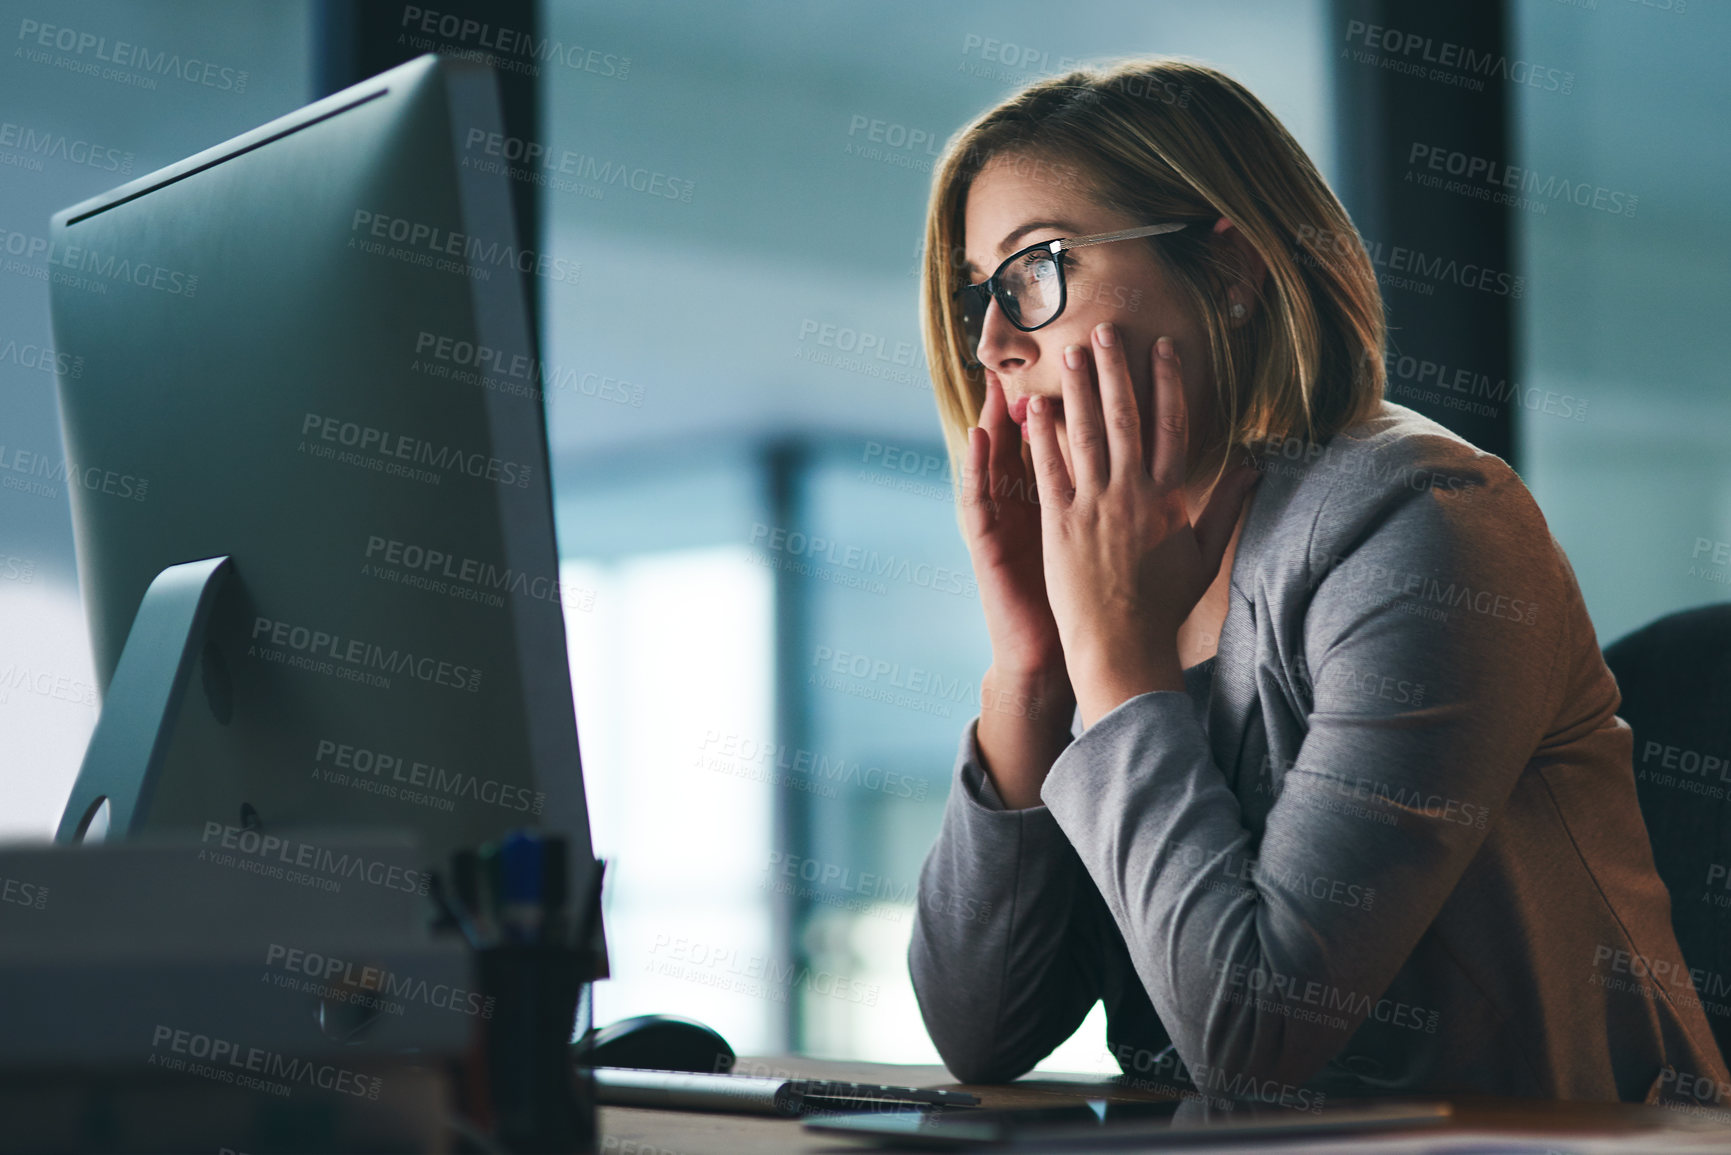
1029,285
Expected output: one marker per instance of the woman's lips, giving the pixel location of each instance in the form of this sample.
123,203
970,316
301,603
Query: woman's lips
1019,409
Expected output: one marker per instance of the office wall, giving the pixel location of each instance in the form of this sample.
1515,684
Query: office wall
92,94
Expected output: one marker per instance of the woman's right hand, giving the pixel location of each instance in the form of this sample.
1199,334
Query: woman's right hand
1026,700
1002,522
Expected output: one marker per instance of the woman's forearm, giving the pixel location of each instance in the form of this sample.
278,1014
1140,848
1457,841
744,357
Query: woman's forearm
1024,725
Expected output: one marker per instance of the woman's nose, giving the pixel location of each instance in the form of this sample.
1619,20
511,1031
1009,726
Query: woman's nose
1001,342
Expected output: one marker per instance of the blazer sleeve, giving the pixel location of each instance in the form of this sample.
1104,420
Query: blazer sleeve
1384,806
1001,956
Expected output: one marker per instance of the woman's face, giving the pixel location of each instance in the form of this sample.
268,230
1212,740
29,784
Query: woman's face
1014,203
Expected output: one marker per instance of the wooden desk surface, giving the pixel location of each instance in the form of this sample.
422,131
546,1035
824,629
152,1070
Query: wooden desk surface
639,1131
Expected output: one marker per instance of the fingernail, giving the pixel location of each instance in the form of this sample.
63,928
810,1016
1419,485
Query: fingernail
1105,334
1164,347
1073,356
1037,404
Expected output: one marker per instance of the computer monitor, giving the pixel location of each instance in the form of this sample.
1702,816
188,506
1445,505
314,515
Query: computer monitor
308,351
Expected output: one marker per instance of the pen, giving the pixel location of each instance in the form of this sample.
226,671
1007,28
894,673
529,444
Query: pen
520,894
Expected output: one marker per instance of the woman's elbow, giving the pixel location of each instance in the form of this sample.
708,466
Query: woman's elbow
959,1025
978,1069
976,1056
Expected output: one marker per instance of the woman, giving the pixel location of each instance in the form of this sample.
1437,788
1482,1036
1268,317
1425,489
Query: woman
1345,808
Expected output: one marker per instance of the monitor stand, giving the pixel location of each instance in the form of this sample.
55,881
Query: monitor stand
127,748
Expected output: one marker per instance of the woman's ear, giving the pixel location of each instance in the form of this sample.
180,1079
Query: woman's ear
1249,271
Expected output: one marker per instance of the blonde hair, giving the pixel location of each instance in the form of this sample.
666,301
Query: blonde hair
1164,140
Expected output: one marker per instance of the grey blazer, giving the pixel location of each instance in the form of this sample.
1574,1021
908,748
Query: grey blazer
1387,842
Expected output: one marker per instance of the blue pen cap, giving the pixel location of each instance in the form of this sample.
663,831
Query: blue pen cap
520,868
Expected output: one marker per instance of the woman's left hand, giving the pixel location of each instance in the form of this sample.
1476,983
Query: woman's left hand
1124,565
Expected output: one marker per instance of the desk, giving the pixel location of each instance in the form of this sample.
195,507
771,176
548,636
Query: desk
640,1131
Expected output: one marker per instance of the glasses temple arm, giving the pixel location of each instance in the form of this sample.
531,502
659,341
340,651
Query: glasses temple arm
1121,235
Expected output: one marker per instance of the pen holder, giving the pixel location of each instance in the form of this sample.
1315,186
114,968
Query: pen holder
539,1101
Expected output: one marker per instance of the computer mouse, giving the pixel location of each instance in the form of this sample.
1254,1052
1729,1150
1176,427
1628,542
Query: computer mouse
656,1043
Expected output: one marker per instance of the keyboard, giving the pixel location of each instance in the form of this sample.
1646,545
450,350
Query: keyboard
685,1090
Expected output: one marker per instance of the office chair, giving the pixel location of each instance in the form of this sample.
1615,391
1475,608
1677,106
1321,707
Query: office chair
1675,677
